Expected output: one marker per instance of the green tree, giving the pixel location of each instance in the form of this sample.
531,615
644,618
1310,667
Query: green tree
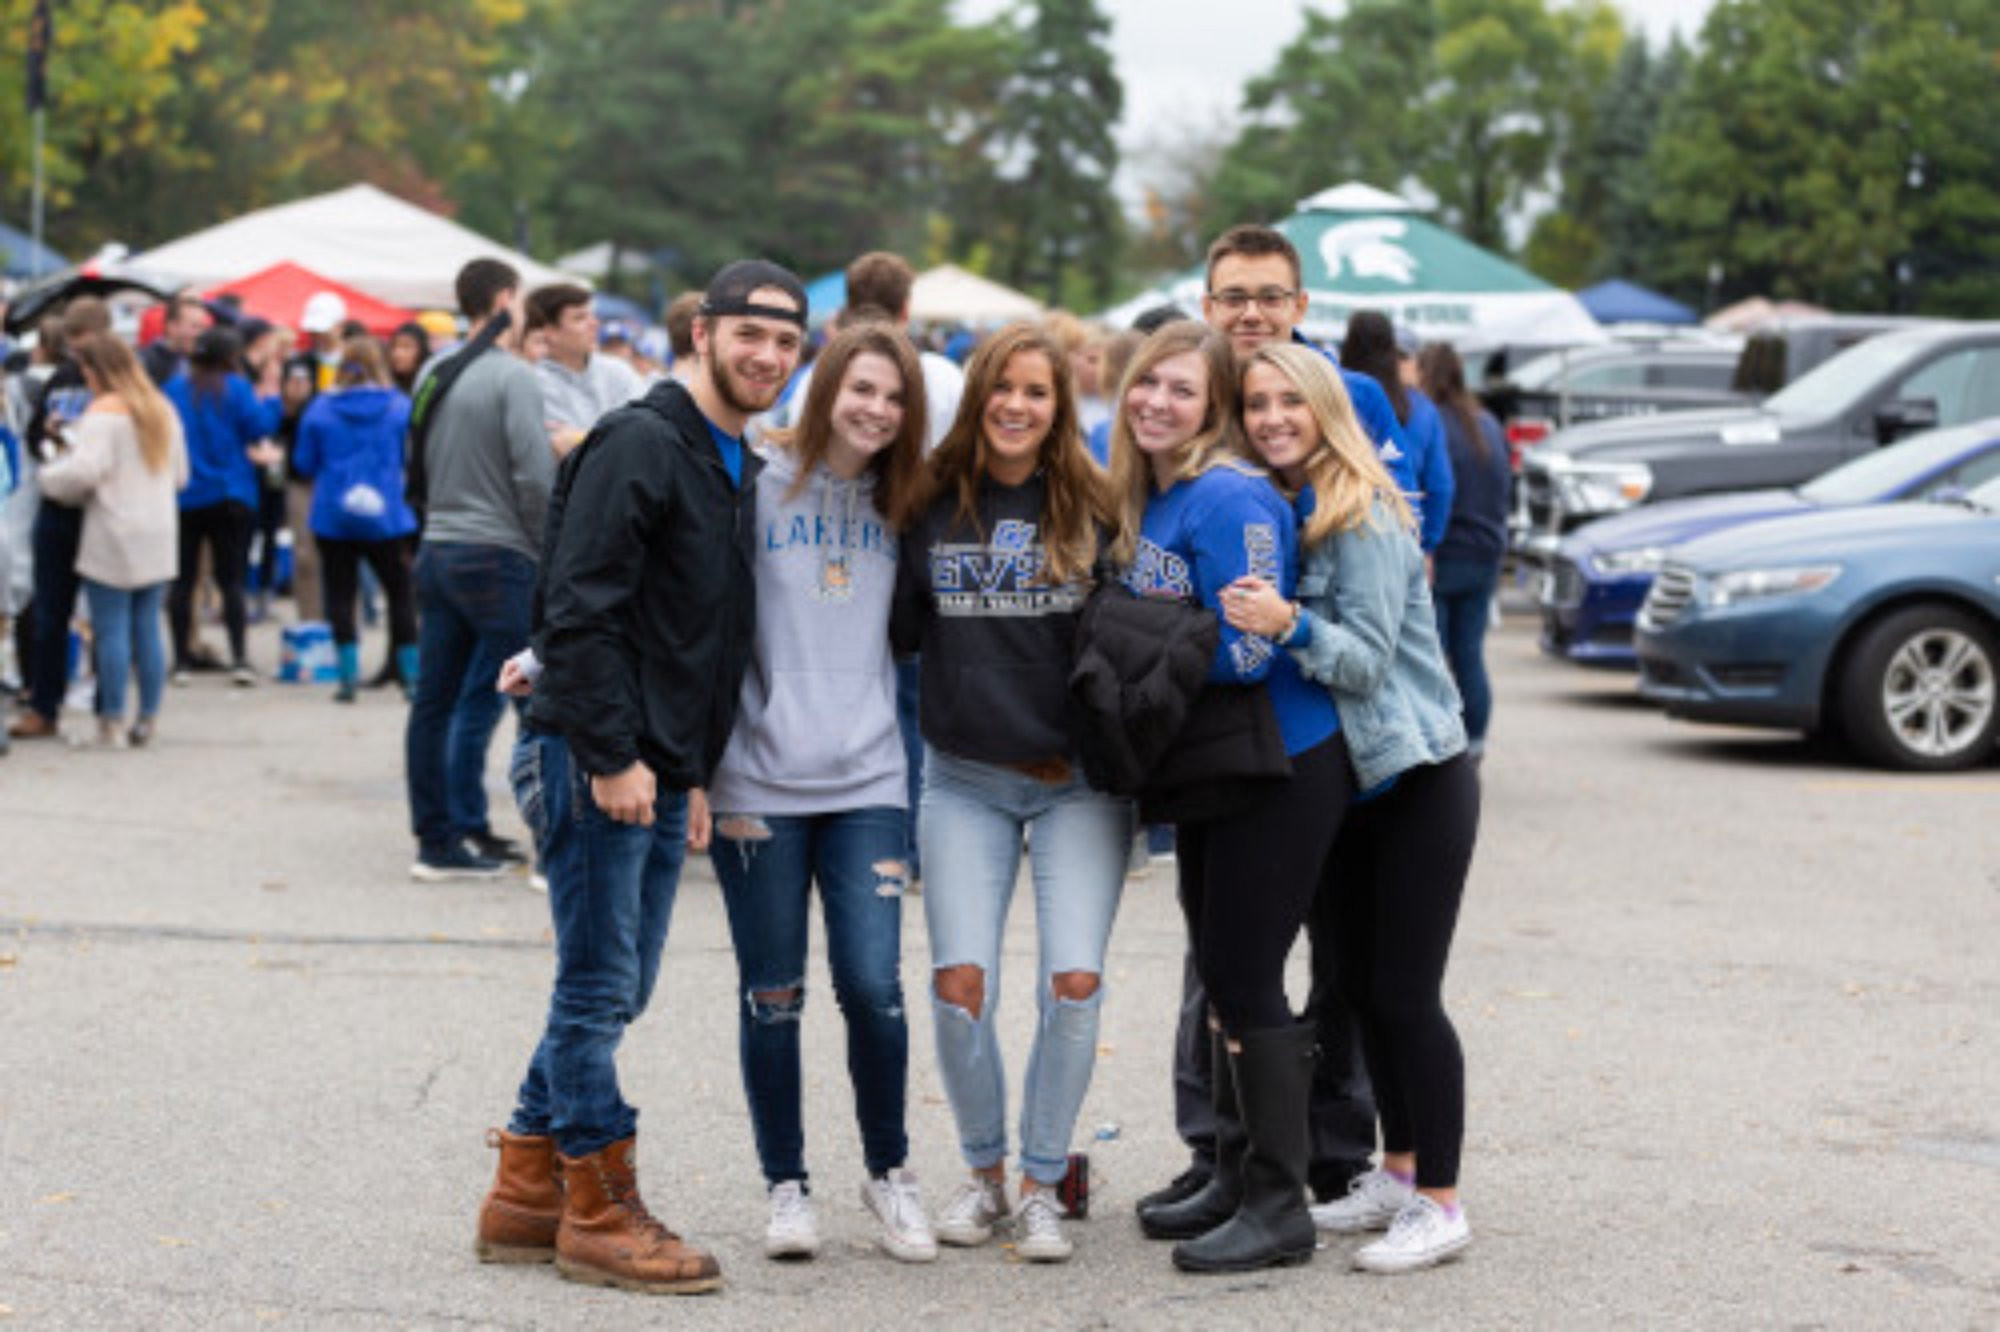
1839,151
1053,205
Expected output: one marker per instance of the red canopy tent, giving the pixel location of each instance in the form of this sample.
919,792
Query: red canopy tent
279,294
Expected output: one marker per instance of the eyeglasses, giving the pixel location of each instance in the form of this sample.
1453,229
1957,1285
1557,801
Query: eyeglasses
1271,300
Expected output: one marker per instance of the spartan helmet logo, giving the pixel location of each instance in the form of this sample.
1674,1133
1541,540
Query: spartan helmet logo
1369,247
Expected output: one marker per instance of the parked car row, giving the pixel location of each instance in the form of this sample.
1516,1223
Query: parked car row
1890,386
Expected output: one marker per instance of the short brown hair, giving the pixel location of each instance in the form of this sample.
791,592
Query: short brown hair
680,323
362,361
881,279
1253,241
85,317
547,304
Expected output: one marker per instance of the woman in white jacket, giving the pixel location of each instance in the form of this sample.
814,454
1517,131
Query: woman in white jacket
123,461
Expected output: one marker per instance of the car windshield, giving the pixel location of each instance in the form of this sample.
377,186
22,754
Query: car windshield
1541,372
1886,472
1837,384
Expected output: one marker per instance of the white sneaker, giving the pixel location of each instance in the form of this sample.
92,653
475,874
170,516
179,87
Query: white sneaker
792,1232
1372,1201
1421,1236
967,1220
898,1204
1038,1233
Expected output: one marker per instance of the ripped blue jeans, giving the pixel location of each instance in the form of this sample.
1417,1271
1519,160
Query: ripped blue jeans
974,815
767,865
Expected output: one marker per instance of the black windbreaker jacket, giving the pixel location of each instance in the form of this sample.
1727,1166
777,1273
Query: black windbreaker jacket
646,604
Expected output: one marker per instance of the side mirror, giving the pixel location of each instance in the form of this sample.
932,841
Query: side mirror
1905,416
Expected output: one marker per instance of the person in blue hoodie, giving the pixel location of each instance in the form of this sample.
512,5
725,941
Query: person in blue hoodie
1362,628
811,790
228,428
1371,348
1196,517
350,445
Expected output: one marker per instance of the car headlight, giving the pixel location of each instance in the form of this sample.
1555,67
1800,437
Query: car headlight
1602,487
1740,585
1635,559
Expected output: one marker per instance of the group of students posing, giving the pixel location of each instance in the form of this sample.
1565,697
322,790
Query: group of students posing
713,666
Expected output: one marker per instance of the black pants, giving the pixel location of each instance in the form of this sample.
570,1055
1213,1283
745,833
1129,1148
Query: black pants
1391,904
1247,885
270,520
225,529
340,576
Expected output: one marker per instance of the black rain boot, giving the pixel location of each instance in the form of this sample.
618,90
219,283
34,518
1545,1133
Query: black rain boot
1273,1227
1217,1200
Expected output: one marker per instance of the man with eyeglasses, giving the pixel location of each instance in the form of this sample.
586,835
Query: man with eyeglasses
1256,296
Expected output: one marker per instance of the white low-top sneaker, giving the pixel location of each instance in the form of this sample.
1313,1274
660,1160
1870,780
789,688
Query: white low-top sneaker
898,1204
1372,1201
1038,1232
1420,1236
967,1220
792,1233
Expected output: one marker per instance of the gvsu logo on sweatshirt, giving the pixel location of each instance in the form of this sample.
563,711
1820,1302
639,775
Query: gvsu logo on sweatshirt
1002,576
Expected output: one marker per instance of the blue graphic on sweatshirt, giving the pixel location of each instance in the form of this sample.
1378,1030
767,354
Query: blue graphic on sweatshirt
999,577
1158,572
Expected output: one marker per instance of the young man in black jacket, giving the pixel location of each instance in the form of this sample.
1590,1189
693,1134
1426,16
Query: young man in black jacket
645,611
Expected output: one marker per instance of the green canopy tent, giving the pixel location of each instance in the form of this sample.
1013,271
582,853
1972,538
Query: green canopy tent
1366,249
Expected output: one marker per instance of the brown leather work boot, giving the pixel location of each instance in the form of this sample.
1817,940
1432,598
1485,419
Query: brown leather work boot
608,1238
518,1220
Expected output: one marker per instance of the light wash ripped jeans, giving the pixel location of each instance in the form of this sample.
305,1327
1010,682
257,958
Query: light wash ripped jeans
973,818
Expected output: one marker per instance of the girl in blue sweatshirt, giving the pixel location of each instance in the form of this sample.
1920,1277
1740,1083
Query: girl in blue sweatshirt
350,445
1197,518
228,429
811,789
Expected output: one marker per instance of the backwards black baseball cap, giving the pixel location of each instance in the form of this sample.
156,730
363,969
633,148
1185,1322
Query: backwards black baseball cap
729,291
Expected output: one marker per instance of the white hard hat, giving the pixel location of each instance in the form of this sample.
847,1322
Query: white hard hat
325,312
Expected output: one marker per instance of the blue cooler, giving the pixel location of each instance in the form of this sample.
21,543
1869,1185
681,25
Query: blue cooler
306,654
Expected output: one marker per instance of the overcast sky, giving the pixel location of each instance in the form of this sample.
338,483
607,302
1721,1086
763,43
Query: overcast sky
1184,62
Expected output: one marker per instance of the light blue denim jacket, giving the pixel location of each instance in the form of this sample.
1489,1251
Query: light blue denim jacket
1374,644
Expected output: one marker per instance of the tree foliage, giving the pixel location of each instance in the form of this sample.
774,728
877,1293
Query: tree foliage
1840,151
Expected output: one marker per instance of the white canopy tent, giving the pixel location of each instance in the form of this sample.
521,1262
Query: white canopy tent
362,236
951,295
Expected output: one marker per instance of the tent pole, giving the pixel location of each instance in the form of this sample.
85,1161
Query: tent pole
35,260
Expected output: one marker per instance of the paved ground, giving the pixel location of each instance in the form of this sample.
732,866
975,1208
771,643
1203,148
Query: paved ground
1730,1011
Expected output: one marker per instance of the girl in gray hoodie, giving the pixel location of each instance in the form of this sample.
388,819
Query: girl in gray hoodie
812,790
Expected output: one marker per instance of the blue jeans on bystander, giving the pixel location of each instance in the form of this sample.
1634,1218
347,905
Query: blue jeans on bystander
126,624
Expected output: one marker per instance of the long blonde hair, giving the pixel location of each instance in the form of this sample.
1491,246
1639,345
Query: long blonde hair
1345,473
116,370
1074,502
1216,443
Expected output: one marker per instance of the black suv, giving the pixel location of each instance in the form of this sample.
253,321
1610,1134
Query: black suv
1894,384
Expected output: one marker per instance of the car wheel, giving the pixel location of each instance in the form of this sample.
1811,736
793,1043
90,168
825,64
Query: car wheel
1920,690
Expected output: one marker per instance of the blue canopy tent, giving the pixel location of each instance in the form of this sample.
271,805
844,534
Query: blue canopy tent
619,309
825,295
18,255
1617,301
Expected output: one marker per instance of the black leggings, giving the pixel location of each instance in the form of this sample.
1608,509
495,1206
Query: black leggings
1390,905
225,527
340,576
1247,884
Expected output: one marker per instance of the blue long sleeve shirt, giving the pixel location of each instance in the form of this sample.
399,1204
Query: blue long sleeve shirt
220,427
1432,464
1199,536
1378,420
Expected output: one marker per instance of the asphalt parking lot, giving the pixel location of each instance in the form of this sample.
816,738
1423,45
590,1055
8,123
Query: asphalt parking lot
1729,1004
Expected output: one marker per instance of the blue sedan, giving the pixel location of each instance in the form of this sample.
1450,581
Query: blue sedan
1880,623
1591,593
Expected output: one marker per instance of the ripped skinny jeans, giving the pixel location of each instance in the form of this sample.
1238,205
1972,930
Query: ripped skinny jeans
767,865
974,815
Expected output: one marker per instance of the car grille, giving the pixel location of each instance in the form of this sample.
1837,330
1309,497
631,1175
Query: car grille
1565,584
1538,499
1669,597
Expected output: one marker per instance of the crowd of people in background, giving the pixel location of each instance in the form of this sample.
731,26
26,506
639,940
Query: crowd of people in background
819,616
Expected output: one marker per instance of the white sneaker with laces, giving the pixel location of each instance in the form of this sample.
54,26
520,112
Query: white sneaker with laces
967,1220
898,1204
1372,1201
792,1232
1038,1233
1421,1236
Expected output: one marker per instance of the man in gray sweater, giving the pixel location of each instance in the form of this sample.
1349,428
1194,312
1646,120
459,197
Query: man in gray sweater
488,470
